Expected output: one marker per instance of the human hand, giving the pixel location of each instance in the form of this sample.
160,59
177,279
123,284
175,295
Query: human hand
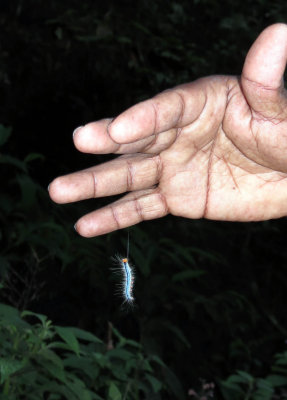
214,148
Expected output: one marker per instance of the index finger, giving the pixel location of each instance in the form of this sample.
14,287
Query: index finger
173,108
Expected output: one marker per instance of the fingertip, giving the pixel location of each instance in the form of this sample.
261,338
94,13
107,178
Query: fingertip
86,227
51,190
77,130
93,138
57,191
266,60
281,26
82,138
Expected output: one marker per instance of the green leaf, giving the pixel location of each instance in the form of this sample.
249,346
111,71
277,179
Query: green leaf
28,191
69,337
4,265
83,364
41,317
59,33
265,390
120,372
177,333
174,384
249,378
114,393
101,360
84,335
157,360
59,345
145,365
33,156
9,367
155,383
277,380
54,388
124,39
132,343
234,379
232,386
56,371
206,255
141,27
6,159
280,370
188,274
11,316
7,312
78,387
120,353
51,356
5,133
281,359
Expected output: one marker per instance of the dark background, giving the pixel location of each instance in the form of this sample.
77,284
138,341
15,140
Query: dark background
211,297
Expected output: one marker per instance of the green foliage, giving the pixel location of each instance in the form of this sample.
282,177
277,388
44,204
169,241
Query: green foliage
242,385
183,310
32,239
41,360
49,360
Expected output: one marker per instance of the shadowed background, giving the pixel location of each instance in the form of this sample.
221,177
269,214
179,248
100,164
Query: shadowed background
210,296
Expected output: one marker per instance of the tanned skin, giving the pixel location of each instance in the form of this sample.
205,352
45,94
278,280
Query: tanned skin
214,148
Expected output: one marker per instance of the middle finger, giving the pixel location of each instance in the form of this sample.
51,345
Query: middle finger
124,174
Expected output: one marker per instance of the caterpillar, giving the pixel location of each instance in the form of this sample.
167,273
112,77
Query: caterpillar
127,272
128,277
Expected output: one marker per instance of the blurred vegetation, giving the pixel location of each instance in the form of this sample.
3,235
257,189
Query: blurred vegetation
42,361
210,320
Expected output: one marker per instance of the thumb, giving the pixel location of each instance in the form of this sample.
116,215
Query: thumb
262,75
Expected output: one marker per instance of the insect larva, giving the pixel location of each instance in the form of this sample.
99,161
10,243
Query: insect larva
128,280
127,283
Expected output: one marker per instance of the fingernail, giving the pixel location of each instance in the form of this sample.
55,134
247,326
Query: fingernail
48,188
77,129
75,227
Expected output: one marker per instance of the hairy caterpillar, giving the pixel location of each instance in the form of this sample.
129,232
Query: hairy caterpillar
127,272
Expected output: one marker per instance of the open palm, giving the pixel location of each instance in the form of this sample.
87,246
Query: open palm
213,148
